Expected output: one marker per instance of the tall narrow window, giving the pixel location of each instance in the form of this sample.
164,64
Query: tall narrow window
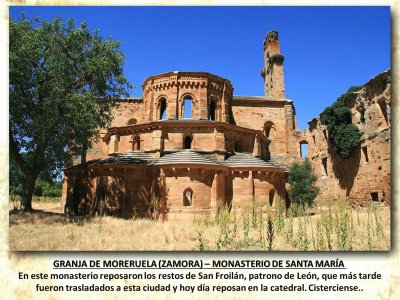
163,109
136,143
362,115
382,105
374,198
187,106
267,128
325,134
271,197
303,149
212,110
365,152
187,141
325,166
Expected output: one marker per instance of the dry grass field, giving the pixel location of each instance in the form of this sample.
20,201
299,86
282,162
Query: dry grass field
321,229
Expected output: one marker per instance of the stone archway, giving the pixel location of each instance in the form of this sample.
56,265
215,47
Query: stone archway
187,141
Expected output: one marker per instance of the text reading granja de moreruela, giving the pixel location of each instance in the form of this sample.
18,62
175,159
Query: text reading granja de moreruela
198,264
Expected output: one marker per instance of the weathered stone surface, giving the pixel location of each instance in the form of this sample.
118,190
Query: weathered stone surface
365,176
236,148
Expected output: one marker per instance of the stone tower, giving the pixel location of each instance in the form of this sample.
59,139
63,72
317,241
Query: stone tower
274,85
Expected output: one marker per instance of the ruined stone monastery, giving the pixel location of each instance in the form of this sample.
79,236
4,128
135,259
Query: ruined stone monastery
188,143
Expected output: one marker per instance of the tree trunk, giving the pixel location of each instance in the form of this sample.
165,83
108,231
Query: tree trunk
28,188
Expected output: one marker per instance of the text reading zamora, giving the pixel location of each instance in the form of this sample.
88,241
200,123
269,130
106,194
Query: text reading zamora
127,264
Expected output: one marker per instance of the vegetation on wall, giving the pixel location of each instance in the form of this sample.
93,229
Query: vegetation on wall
302,180
343,135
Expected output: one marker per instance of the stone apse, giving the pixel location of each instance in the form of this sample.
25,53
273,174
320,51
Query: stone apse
189,143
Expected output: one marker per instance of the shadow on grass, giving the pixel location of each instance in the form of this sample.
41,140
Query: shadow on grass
38,215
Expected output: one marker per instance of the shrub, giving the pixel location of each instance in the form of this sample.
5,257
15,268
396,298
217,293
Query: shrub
226,236
246,225
270,234
289,230
280,217
343,135
254,221
302,180
343,220
303,241
327,224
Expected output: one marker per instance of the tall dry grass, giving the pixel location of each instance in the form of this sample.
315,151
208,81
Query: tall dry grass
337,227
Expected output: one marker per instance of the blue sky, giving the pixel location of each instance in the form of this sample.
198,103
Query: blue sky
326,49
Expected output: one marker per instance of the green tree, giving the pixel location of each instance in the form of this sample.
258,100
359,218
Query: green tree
302,180
62,80
15,179
343,135
47,184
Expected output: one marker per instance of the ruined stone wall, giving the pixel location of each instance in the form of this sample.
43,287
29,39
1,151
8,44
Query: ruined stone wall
243,142
272,72
365,176
279,116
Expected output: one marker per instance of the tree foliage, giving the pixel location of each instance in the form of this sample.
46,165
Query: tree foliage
302,180
47,184
62,78
343,135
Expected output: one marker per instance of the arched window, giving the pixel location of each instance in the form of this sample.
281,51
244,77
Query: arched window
187,141
267,128
136,143
238,147
163,109
212,110
187,107
188,197
131,122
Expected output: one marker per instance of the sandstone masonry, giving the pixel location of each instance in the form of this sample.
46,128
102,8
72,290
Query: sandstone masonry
188,143
365,176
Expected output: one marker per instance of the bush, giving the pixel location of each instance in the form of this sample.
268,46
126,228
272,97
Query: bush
343,135
16,191
38,190
52,193
302,180
47,189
